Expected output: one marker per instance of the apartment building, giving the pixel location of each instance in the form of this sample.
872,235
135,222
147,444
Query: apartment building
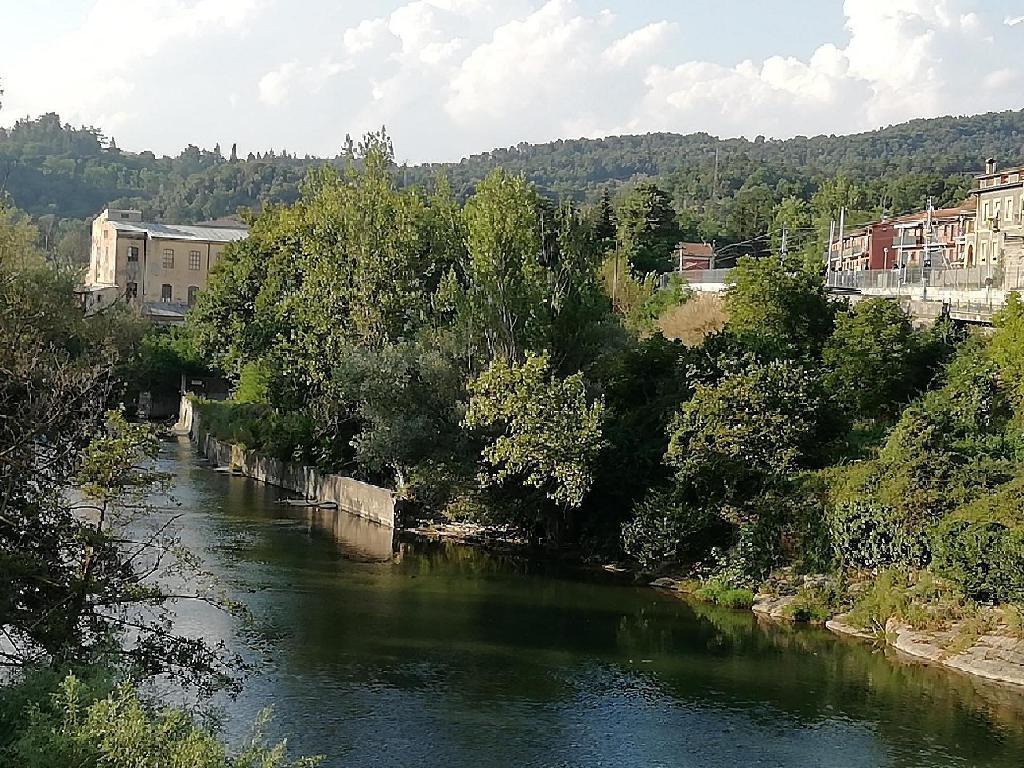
996,237
906,241
158,268
933,238
867,247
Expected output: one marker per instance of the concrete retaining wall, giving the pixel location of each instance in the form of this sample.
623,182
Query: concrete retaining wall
352,496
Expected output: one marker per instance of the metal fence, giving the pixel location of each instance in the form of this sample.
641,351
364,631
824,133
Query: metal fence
895,280
703,275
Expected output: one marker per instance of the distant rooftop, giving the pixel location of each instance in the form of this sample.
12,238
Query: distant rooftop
197,233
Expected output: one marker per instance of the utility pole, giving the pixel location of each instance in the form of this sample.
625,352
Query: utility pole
926,266
782,257
831,246
842,231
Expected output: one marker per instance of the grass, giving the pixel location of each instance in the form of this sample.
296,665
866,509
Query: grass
700,316
928,603
725,595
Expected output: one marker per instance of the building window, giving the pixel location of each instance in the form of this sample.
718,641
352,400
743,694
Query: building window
1008,212
985,212
168,260
195,260
166,293
106,234
193,293
133,253
131,291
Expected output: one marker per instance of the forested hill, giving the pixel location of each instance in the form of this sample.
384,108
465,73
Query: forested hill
942,146
49,168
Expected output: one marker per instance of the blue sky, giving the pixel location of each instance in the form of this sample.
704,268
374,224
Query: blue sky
454,77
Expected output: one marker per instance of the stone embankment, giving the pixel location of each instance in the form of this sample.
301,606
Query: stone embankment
356,498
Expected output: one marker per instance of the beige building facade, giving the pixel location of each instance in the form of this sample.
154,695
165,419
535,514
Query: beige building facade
158,268
996,237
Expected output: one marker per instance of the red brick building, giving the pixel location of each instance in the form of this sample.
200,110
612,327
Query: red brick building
691,257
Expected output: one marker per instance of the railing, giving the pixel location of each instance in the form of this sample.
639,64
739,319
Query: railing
954,279
705,275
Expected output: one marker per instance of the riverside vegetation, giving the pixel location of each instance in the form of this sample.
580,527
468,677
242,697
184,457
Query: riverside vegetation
500,362
85,560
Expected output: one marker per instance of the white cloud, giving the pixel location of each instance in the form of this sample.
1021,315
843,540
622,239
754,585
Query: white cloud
640,43
366,36
89,72
450,77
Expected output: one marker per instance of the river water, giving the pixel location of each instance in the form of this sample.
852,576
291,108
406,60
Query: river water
423,654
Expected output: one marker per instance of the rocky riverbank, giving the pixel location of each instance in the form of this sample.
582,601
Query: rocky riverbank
992,656
995,656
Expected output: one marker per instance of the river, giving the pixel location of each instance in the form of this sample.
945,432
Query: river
429,654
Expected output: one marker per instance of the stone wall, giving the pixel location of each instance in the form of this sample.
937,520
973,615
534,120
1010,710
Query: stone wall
361,499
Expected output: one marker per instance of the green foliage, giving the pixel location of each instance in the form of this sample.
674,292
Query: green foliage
1006,349
666,529
778,309
813,605
548,432
258,427
89,725
761,421
162,356
868,535
724,594
647,231
984,558
873,358
115,464
508,282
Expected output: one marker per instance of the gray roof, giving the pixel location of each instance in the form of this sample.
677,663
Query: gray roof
182,231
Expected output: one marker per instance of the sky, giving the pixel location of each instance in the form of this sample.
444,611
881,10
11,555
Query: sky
450,78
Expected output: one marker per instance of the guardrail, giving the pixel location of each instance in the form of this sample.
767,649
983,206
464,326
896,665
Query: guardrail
953,279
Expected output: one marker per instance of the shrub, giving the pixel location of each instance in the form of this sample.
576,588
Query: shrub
736,598
886,598
984,558
866,534
815,605
82,725
665,530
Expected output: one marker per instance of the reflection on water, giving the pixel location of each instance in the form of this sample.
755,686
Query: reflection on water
448,656
357,538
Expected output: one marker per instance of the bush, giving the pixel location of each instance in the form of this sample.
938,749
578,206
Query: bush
88,725
664,530
866,534
277,434
816,605
873,357
736,598
984,558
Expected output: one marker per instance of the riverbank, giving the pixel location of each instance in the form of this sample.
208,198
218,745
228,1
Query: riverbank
996,656
993,656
